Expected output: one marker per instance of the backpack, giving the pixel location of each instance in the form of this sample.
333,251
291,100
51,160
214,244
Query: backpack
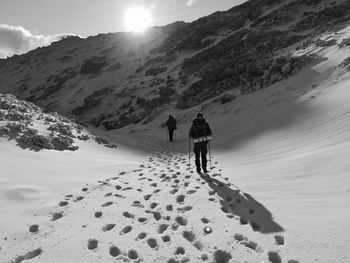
200,128
171,123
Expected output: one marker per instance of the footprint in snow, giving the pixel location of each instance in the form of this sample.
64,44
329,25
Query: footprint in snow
174,191
180,251
222,256
33,228
29,255
255,226
205,220
142,235
189,235
98,214
125,230
166,239
162,228
128,215
138,204
147,197
181,221
274,257
132,254
185,209
157,216
279,240
114,251
142,220
107,204
79,198
108,227
180,199
153,205
56,216
152,242
92,244
243,221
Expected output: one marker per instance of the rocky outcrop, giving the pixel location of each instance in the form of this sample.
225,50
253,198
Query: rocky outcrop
32,128
116,79
241,61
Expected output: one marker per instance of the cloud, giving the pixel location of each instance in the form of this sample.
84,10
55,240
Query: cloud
191,2
18,40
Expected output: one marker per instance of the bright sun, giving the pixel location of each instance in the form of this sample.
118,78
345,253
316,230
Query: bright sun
137,19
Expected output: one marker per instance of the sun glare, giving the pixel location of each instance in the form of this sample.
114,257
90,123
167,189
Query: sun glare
137,19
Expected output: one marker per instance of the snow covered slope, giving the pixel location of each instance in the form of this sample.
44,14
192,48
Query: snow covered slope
278,190
115,80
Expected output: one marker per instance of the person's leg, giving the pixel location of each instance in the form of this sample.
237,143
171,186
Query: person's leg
197,152
171,135
204,157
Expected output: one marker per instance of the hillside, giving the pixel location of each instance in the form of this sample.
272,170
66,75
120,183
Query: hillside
271,78
113,80
31,128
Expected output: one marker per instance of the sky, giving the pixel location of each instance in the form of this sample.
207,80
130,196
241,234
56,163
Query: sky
27,24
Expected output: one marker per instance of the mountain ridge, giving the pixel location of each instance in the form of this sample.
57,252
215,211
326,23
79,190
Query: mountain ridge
117,79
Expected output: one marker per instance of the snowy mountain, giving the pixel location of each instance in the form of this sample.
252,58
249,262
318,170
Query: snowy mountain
32,128
272,79
113,80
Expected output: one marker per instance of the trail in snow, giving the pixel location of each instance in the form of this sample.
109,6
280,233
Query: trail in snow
162,206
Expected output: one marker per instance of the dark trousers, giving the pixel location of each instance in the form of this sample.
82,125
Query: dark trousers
171,134
200,150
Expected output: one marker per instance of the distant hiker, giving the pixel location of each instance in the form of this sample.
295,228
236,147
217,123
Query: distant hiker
200,132
171,123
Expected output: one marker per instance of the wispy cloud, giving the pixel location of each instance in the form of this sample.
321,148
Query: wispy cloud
18,40
191,2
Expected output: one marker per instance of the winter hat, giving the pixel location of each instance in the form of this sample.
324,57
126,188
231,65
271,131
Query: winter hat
199,115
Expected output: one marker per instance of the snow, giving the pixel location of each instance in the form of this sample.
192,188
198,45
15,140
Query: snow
286,147
34,180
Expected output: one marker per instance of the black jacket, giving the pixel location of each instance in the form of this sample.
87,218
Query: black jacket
171,123
199,128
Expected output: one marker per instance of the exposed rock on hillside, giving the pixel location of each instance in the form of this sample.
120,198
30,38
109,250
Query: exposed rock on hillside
32,128
114,80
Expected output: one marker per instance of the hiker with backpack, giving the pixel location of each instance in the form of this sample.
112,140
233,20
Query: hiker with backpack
200,133
171,123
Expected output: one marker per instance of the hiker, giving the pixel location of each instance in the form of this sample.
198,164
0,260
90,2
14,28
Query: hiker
171,123
200,133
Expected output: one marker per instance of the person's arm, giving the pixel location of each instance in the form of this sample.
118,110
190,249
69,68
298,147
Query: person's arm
191,133
208,129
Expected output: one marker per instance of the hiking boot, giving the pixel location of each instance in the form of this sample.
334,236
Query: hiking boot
198,170
205,170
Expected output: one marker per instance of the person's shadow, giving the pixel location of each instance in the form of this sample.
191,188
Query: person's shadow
234,203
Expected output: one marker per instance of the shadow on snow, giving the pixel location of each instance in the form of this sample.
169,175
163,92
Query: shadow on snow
235,203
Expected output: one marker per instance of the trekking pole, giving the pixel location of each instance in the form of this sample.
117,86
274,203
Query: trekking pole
209,155
189,153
